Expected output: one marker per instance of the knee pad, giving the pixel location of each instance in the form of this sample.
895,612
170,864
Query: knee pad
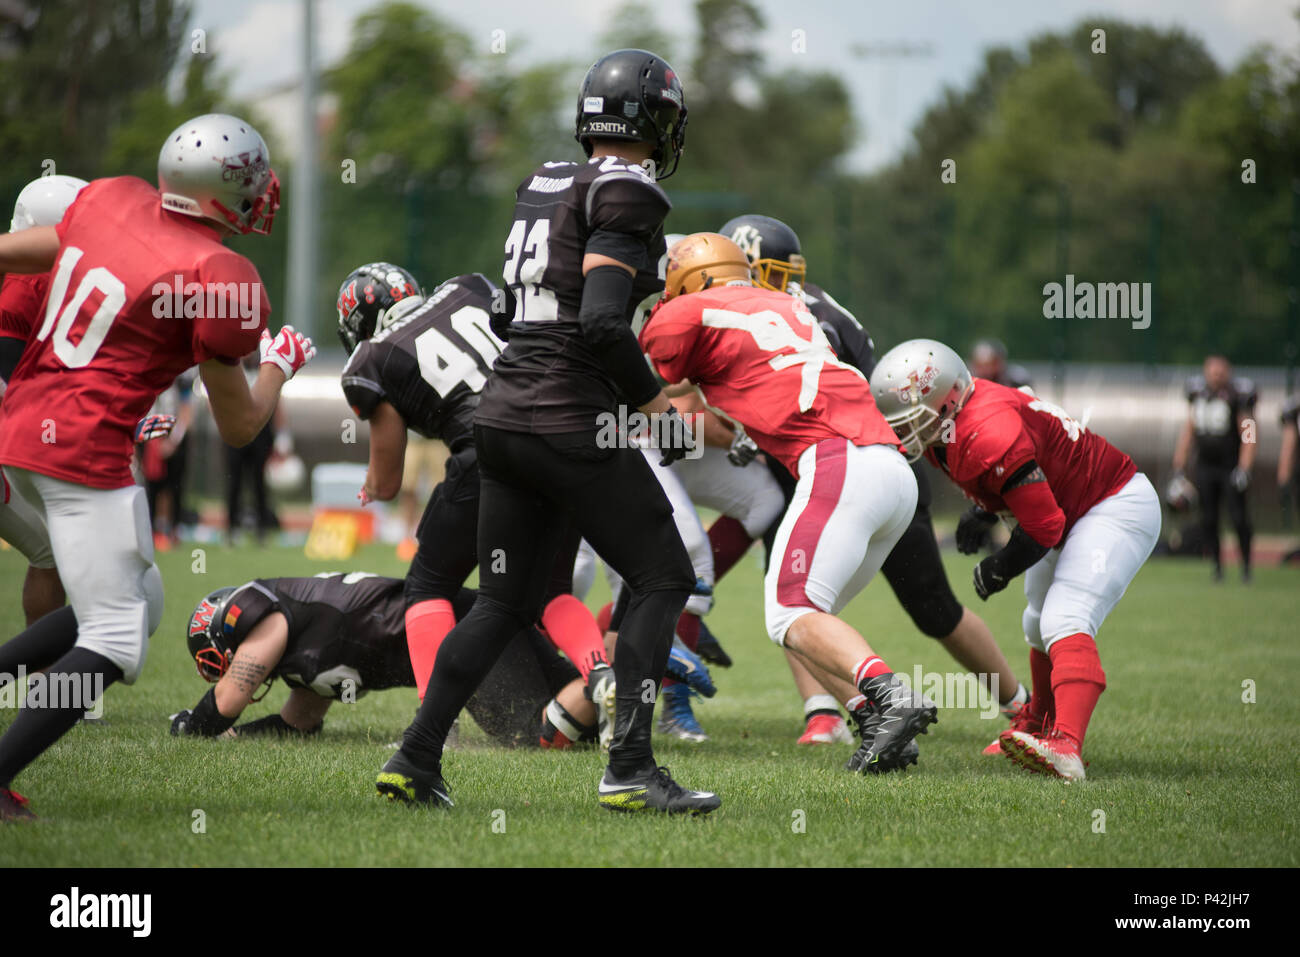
779,618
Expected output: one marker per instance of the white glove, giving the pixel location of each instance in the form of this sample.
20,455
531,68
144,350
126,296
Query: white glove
1240,479
290,350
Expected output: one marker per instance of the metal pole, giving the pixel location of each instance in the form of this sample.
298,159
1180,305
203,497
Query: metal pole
304,191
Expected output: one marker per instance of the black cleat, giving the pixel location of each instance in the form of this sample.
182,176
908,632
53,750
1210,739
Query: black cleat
896,716
709,649
13,807
401,780
653,790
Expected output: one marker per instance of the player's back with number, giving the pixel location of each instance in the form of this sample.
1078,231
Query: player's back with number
111,339
762,358
564,211
1000,429
432,362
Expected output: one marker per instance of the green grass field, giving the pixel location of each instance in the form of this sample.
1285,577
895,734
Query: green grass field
1184,772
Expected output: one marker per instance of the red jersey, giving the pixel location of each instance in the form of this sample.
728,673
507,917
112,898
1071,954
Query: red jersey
137,296
999,430
760,357
21,298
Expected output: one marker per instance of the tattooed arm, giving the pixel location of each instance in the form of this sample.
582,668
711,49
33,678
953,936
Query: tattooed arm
255,659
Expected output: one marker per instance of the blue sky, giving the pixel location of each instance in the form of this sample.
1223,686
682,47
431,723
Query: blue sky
895,57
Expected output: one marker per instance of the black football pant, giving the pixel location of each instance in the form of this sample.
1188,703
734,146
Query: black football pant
535,491
1214,486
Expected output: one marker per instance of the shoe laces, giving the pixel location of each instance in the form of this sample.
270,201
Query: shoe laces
666,781
1025,720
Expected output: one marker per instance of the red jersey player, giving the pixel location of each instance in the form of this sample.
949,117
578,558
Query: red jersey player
41,202
1087,520
761,359
142,289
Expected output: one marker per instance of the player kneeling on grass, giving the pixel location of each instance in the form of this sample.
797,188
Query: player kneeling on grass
336,636
760,358
1087,521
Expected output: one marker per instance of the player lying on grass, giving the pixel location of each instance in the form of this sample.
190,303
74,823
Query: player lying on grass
913,569
337,636
1087,520
98,362
761,359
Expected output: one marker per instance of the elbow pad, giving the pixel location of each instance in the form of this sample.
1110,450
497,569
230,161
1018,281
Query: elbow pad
603,317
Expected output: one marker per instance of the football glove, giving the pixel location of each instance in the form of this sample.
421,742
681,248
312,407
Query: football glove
974,530
180,721
743,449
671,435
290,350
154,427
1240,479
990,577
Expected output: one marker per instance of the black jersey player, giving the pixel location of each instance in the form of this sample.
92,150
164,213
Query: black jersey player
1219,405
582,251
914,568
338,636
421,363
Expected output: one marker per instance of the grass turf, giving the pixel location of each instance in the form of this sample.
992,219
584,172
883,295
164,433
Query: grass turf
1182,772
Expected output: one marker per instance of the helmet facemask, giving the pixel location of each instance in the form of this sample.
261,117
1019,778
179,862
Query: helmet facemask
777,274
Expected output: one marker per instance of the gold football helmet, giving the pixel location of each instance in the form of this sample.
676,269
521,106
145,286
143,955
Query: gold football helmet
704,260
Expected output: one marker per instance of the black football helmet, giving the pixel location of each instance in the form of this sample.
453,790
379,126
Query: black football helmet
772,247
207,637
634,95
365,298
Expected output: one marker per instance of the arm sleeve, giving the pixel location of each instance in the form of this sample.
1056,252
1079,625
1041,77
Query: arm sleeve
241,309
603,317
361,381
206,720
1037,511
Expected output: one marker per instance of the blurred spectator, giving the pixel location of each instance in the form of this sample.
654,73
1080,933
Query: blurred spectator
250,462
988,360
1286,459
163,462
422,470
1220,405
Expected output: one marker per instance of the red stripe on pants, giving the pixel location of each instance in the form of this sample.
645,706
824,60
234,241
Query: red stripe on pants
797,560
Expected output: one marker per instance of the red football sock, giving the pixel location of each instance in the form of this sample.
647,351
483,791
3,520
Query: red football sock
1041,701
427,623
688,630
730,541
574,631
1077,683
870,668
603,616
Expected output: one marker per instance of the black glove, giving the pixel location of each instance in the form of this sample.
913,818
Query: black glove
671,435
990,576
180,721
743,449
974,529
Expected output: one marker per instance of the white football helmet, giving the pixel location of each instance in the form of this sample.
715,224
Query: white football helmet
43,201
217,167
918,385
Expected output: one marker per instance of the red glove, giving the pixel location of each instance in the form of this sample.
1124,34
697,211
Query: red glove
290,350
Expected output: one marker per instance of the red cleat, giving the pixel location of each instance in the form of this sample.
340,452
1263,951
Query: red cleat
1051,753
827,729
1023,720
13,807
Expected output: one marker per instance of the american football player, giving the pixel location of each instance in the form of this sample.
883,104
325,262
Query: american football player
581,254
1087,520
421,363
338,636
761,358
108,345
1219,405
41,202
914,568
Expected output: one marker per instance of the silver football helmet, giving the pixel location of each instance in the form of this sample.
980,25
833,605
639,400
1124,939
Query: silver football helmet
44,200
918,385
217,167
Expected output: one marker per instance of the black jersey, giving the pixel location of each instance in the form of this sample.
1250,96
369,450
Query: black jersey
847,338
346,631
1214,419
432,362
548,379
